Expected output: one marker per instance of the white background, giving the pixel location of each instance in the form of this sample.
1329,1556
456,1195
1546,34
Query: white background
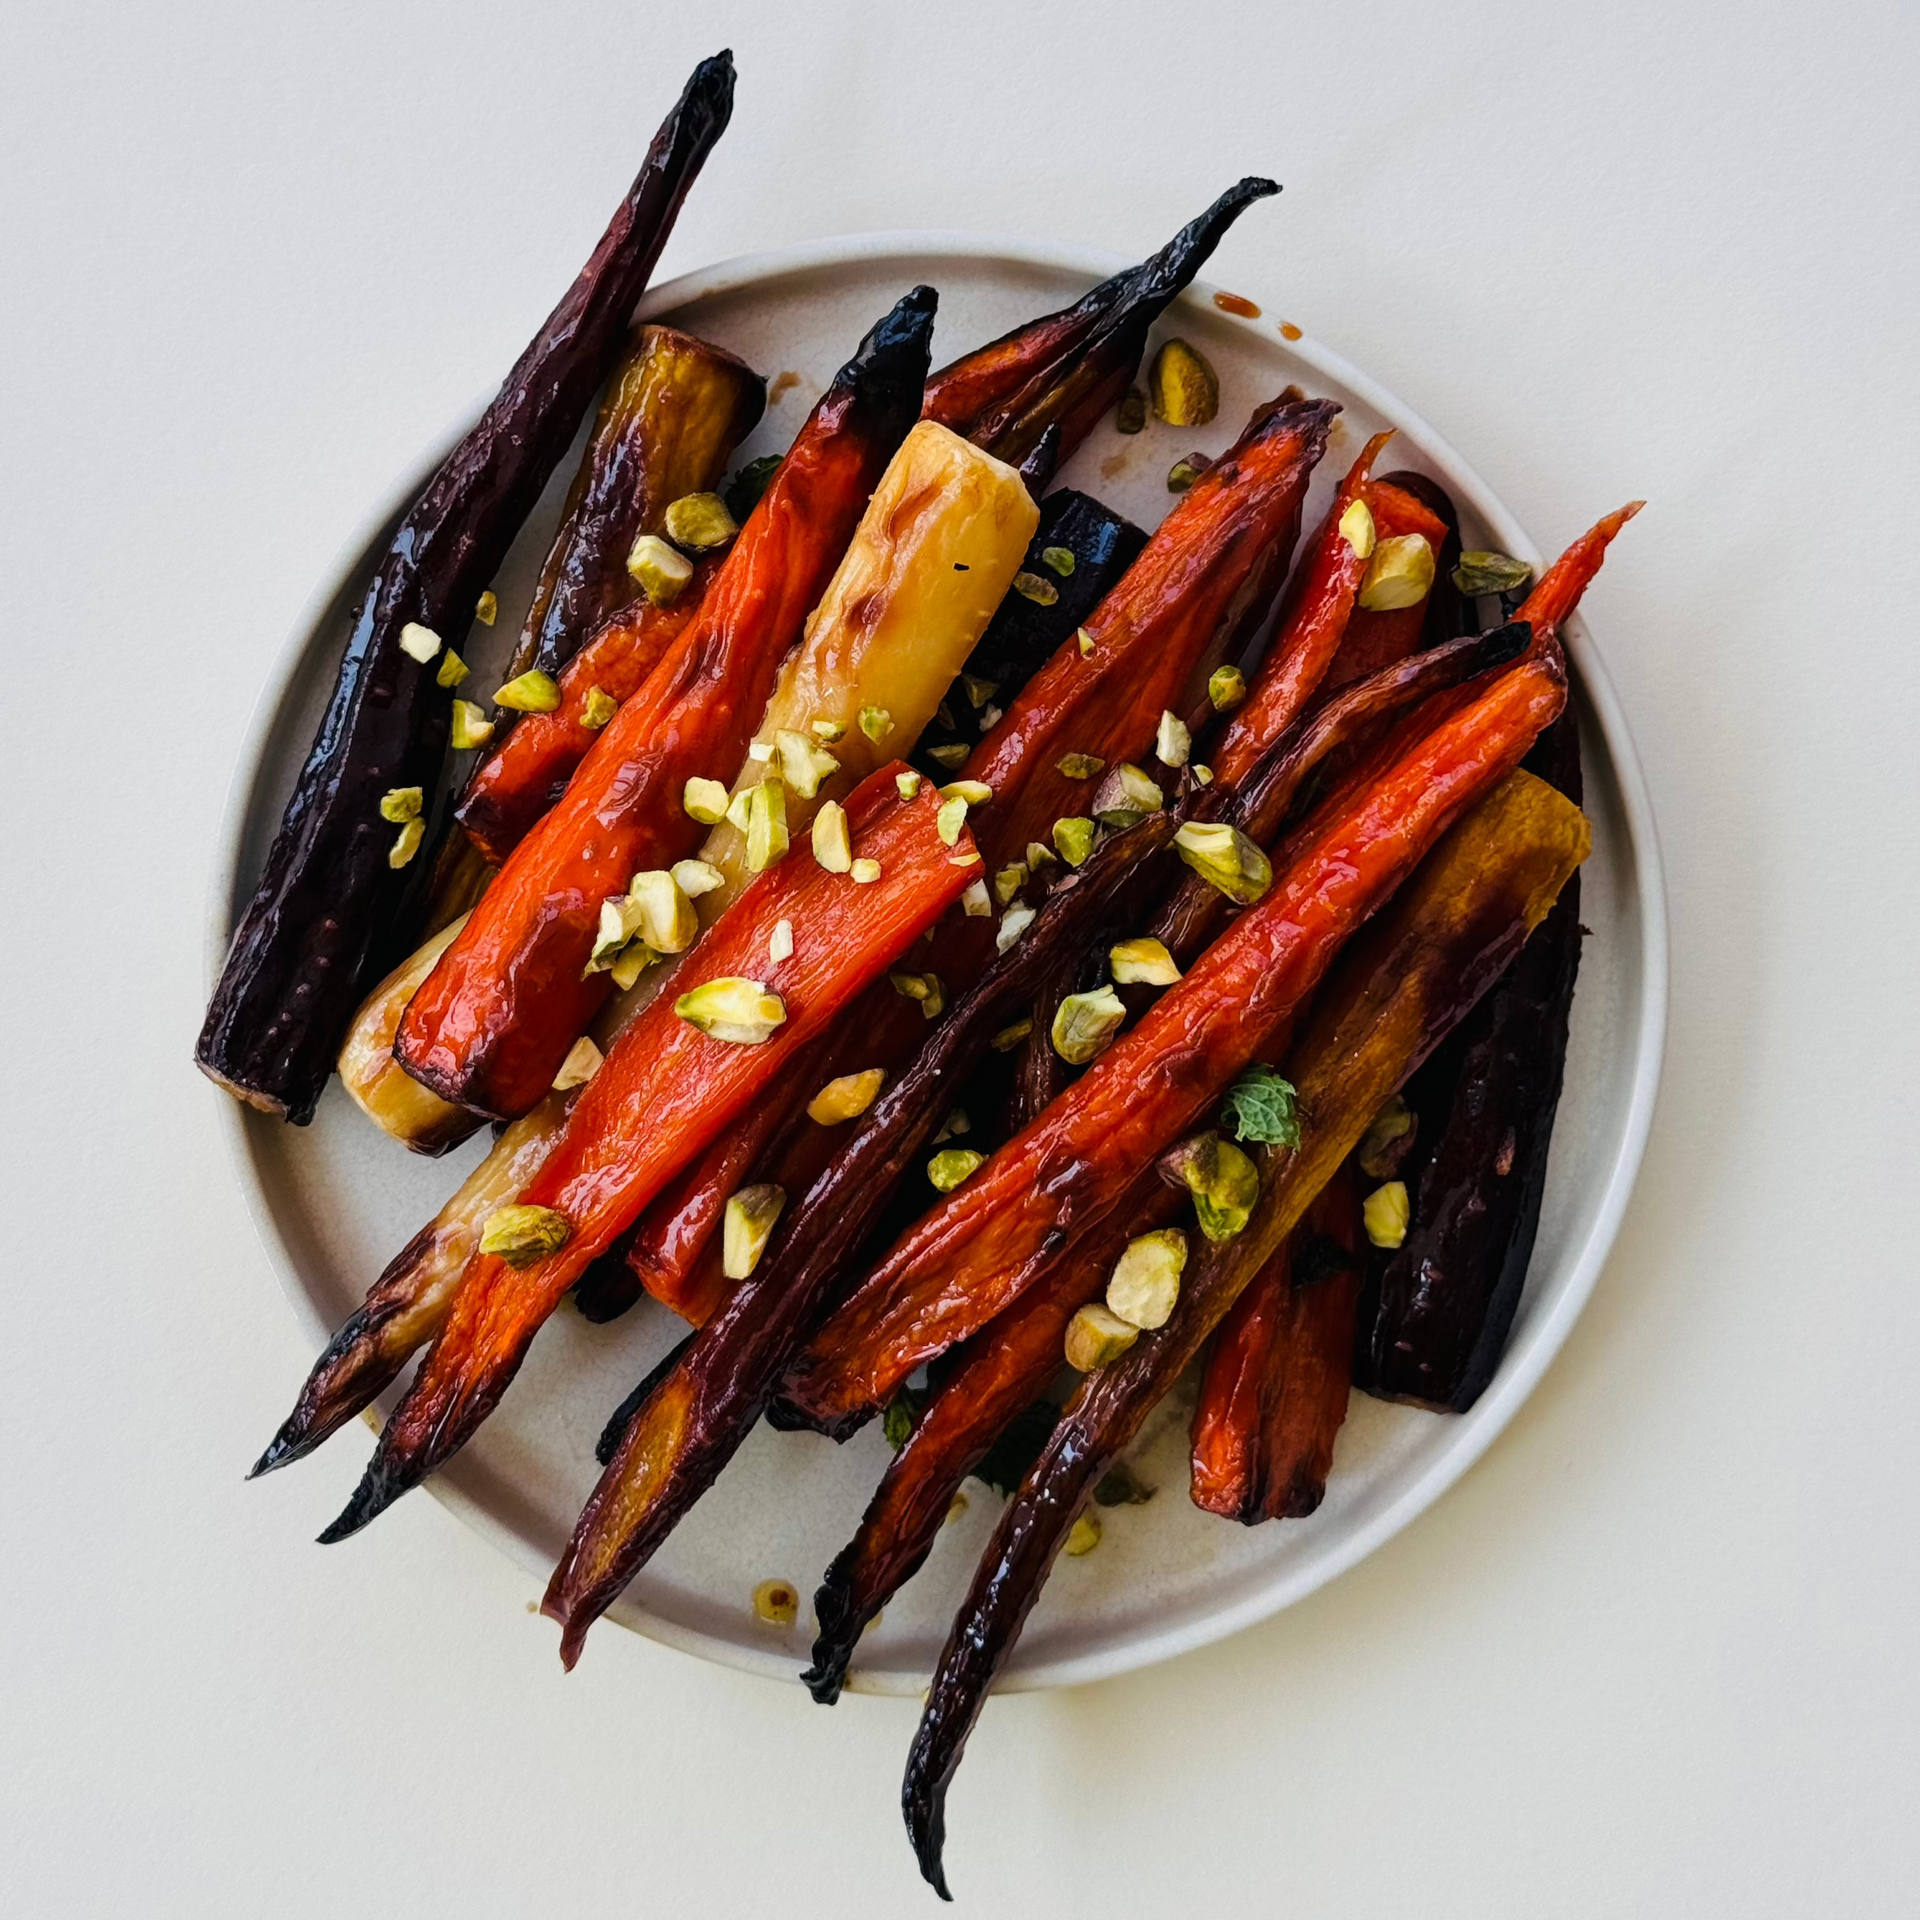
1657,1654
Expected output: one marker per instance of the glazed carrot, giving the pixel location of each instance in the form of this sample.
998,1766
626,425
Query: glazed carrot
1397,994
528,771
1225,1453
1313,622
980,1247
495,1018
1210,562
1070,366
331,913
662,1094
1559,589
1376,638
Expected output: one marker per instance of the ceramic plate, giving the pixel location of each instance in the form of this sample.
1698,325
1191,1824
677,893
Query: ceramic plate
334,1200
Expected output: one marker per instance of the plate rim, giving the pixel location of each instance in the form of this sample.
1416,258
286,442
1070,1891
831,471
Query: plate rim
1526,1360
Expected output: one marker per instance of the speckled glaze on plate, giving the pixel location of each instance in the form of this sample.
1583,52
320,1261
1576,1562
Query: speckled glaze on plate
333,1201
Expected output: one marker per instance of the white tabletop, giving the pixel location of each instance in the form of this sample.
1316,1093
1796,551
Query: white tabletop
1656,1654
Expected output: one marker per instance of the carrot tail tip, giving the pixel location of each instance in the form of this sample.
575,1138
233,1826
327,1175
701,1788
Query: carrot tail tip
380,1486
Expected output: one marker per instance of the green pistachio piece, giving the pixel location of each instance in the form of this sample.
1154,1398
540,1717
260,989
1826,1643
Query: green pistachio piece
1078,766
876,723
1013,923
1130,787
732,1009
1225,858
530,692
700,521
1131,414
1183,386
1172,741
1059,559
1400,574
599,708
1073,839
668,923
1144,962
747,1226
1481,572
952,755
452,670
1008,882
1010,1037
1085,1024
803,765
832,847
1385,1213
1226,688
1185,471
406,843
953,1165
1032,586
418,642
401,803
1144,1287
907,785
658,570
705,801
1224,1183
521,1235
766,826
487,608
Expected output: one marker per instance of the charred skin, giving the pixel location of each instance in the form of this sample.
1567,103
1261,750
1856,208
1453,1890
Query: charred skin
527,773
330,914
661,1095
1069,367
1438,1315
1394,997
673,412
494,1020
690,1426
979,1249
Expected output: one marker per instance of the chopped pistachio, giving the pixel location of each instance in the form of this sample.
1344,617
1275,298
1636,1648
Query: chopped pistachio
951,755
1387,1141
401,803
1130,788
876,723
1202,774
487,608
1385,1213
619,923
1039,855
747,1226
847,1097
990,717
1142,963
1060,559
630,963
740,1011
471,727
1184,388
780,941
766,826
949,820
406,843
952,1165
1086,643
1131,414
418,642
700,521
695,877
1185,471
828,730
1484,572
668,923
976,793
1073,839
1032,586
1144,1286
975,902
1082,1537
1226,688
761,752
958,1122
832,847
1085,1023
1224,857
1010,1037
1079,766
944,715
776,1603
928,988
1008,882
705,801
529,692
740,809
600,707
522,1235
1400,574
1223,1180
1096,1338
583,1061
966,857
803,765
1119,818
659,572
978,691
1356,528
1172,741
907,785
452,669
1013,923
866,872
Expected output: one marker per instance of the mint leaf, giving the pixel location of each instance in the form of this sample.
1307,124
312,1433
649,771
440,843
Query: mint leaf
1260,1107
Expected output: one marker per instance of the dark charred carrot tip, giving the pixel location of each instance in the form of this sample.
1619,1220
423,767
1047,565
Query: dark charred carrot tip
1501,644
380,1486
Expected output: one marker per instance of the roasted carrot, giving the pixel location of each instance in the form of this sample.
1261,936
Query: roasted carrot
1313,621
528,771
1377,637
1069,366
495,1018
1559,589
331,913
688,1426
1395,996
1213,558
665,1091
978,1250
1225,1454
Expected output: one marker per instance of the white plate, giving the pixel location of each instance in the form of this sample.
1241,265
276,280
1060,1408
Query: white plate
334,1200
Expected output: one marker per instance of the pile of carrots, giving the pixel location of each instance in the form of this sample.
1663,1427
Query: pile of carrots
934,937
